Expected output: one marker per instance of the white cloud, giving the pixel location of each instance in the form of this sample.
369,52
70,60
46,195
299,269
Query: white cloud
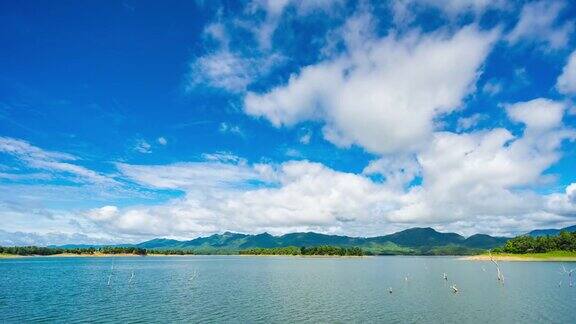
398,170
221,70
297,196
405,10
492,87
293,153
466,123
190,175
382,94
103,214
52,238
230,128
228,70
566,83
305,136
162,140
223,156
143,147
488,173
36,158
274,10
478,181
563,203
538,114
538,23
232,68
234,64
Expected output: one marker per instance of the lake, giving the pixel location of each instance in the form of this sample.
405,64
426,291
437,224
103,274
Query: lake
282,289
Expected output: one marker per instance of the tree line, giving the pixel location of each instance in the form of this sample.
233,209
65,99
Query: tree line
315,250
40,250
565,241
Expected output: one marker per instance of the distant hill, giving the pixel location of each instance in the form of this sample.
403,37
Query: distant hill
551,231
483,241
410,241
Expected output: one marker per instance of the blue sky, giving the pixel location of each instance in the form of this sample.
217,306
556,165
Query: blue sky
131,120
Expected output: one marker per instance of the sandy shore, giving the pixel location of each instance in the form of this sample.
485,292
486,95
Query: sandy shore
521,258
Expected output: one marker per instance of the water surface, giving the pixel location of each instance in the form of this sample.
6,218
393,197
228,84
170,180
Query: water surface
282,289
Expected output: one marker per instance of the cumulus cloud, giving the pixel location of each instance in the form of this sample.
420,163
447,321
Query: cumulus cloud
382,94
566,83
297,195
477,181
539,23
489,172
563,203
538,115
398,170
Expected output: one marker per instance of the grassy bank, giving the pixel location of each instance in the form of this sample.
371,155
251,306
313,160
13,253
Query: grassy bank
568,256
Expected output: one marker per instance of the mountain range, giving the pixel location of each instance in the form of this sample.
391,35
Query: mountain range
410,241
415,240
551,231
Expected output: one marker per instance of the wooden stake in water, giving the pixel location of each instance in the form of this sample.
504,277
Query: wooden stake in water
111,269
500,275
569,273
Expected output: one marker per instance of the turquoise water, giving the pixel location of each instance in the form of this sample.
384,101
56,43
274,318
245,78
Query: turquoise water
281,289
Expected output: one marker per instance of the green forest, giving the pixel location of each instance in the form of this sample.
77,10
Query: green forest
36,250
525,244
316,250
565,241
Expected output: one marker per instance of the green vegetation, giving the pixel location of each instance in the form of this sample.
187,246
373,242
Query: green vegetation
451,250
552,255
315,250
332,250
45,251
122,250
290,250
414,241
524,244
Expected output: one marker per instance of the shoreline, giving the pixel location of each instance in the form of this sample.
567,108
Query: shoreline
542,257
534,257
68,255
100,255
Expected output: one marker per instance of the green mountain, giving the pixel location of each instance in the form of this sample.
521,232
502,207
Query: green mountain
410,241
419,237
483,241
551,231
